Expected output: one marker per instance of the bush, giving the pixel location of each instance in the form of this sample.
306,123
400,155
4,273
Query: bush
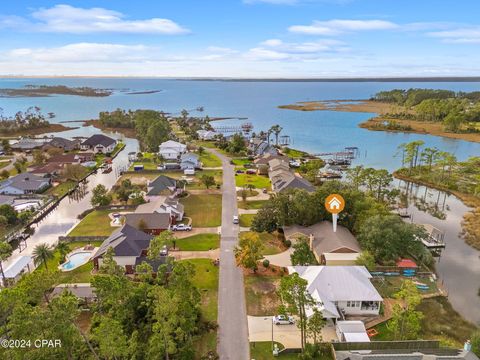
266,263
287,243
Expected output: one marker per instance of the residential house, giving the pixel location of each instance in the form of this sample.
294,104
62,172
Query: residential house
47,170
99,143
287,180
83,291
24,183
171,150
163,185
128,244
329,247
265,159
340,290
206,135
27,144
260,147
62,143
151,223
189,161
351,331
13,273
163,204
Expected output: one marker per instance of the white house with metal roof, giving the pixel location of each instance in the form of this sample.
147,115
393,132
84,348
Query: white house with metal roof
171,150
340,290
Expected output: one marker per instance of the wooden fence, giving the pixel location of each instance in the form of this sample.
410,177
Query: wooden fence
390,345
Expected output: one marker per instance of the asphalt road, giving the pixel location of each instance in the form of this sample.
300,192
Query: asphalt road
232,314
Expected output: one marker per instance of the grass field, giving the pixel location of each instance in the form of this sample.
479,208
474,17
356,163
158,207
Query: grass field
206,280
81,274
61,189
246,220
210,160
199,242
97,223
241,162
272,243
293,153
258,181
263,351
198,185
249,205
204,210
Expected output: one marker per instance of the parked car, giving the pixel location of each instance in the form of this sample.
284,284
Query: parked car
240,171
283,320
251,172
181,227
264,190
164,251
235,219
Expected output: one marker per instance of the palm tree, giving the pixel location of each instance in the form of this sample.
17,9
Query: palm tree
276,129
5,252
63,249
41,254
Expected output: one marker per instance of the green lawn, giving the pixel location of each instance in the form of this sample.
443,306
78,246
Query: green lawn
258,181
62,188
210,160
443,324
241,162
272,243
293,153
147,165
261,294
198,185
206,280
78,275
251,205
246,220
97,223
199,242
204,210
4,163
263,351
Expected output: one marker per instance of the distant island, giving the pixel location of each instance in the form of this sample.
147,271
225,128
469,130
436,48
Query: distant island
48,90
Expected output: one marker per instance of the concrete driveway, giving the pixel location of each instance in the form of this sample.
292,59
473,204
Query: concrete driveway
282,259
260,329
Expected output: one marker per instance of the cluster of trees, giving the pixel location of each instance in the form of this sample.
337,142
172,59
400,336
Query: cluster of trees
376,182
10,217
190,125
31,119
150,318
151,127
451,108
384,235
100,196
236,144
125,190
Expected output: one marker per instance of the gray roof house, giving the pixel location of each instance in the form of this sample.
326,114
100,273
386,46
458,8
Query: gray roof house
26,144
24,183
189,161
128,244
151,223
99,143
62,143
340,290
329,247
161,185
288,180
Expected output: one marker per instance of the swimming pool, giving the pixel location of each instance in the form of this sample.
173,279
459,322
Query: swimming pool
75,260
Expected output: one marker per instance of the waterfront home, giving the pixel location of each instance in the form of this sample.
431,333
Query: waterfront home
351,331
260,147
163,204
340,290
128,244
47,170
265,159
329,247
206,135
24,183
99,143
62,143
189,161
286,180
171,150
150,223
27,144
163,185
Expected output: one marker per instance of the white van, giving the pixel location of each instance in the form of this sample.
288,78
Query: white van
235,219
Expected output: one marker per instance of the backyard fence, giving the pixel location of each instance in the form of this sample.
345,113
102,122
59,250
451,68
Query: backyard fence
390,345
81,238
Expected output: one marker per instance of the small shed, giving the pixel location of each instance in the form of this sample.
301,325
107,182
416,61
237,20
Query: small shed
352,331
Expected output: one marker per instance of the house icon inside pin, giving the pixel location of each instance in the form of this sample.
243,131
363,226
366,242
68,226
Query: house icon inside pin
334,204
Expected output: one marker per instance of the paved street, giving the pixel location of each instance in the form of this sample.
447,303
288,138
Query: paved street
232,315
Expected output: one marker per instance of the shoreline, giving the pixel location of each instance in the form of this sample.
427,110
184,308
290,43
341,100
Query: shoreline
469,218
52,128
376,123
127,132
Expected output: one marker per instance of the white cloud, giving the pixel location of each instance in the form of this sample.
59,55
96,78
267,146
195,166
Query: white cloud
466,35
338,26
81,52
276,49
69,19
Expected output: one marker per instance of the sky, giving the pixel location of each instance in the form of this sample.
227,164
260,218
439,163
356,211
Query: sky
241,38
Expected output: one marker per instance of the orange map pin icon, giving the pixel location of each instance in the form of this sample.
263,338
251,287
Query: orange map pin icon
334,204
